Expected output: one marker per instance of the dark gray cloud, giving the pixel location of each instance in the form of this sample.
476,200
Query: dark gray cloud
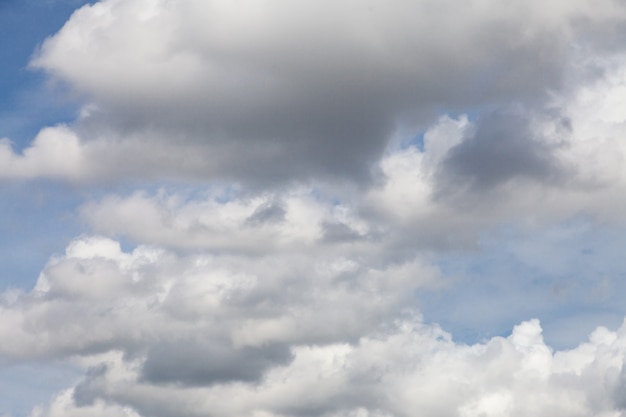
209,362
502,147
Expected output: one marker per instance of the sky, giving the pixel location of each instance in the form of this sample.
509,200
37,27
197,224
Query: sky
339,208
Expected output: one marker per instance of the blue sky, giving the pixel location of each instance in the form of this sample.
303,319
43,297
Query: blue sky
36,219
406,209
27,102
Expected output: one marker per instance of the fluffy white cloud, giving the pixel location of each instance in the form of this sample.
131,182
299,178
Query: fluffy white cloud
287,333
254,223
404,368
97,298
195,320
55,153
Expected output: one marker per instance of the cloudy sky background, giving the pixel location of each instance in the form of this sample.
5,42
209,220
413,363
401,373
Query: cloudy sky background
274,208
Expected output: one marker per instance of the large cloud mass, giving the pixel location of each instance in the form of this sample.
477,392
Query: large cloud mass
163,334
275,91
314,171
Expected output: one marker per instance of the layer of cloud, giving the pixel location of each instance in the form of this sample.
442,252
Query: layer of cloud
258,223
282,92
97,298
469,173
160,334
292,290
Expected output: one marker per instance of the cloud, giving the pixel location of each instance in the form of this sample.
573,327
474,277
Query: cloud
194,320
363,146
55,153
294,328
306,331
518,164
502,148
205,363
377,376
256,223
97,298
286,92
64,406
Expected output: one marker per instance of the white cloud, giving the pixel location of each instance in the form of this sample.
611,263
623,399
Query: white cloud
56,152
97,298
409,369
287,333
237,224
194,320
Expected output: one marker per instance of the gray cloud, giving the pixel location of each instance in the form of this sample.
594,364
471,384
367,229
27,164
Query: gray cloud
297,91
339,232
502,147
267,213
208,362
86,392
620,390
379,376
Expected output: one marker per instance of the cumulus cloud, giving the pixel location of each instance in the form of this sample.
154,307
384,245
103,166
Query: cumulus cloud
97,298
468,176
405,368
294,289
162,334
297,332
516,164
55,153
279,92
254,223
196,320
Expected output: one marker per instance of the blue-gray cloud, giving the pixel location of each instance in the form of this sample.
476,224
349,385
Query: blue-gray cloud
502,147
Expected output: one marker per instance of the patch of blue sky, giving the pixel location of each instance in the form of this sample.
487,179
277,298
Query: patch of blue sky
37,219
416,139
186,190
27,101
40,380
509,278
